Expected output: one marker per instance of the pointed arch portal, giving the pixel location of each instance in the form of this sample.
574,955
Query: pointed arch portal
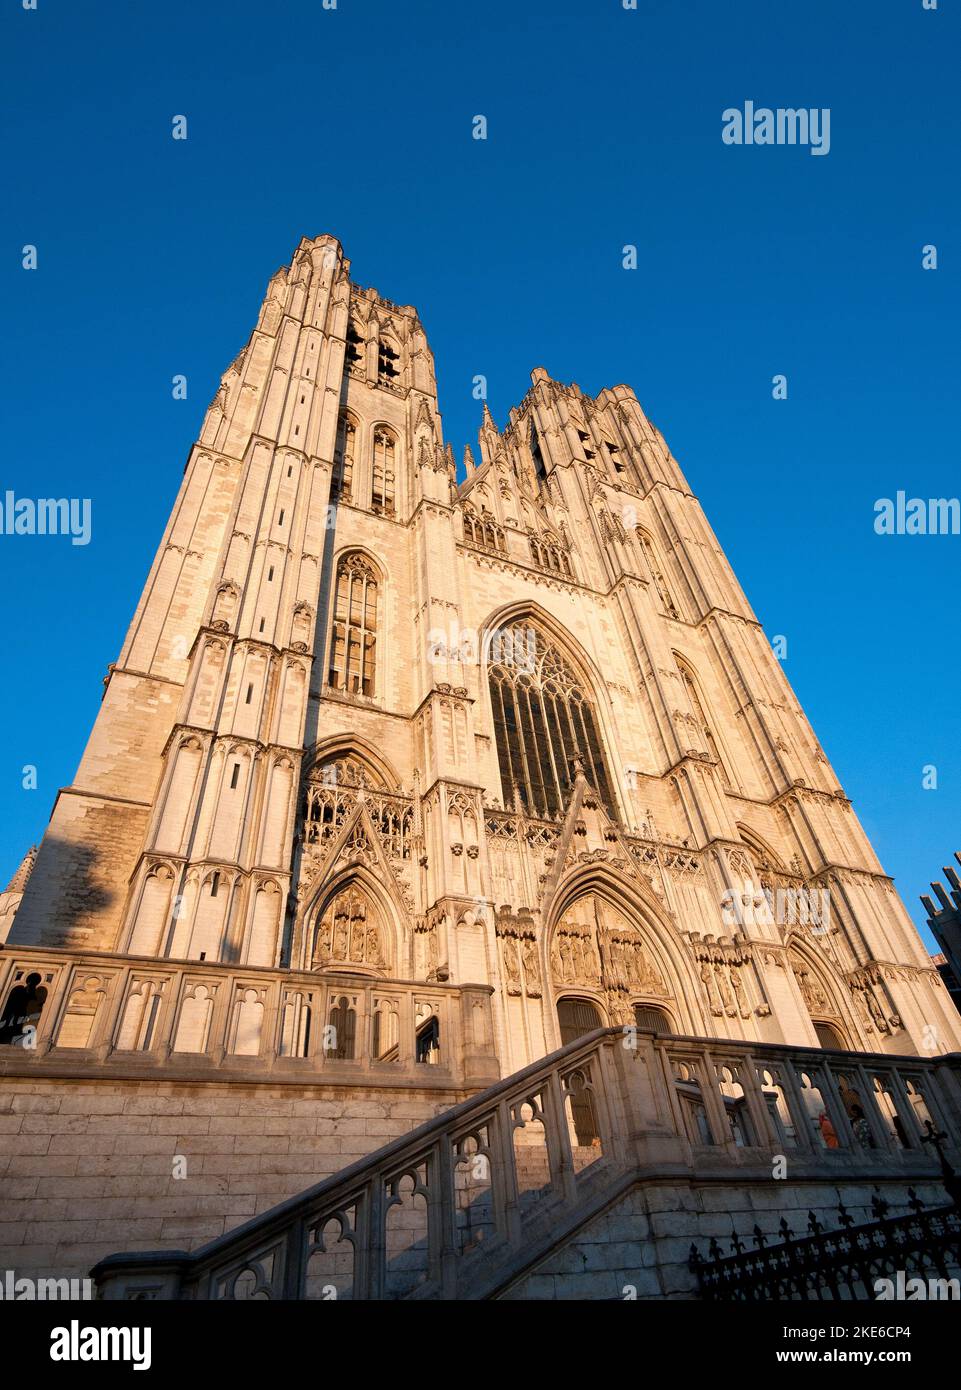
604,970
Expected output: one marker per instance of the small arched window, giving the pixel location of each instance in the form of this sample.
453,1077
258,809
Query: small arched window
536,455
548,554
482,531
614,455
353,638
382,478
345,450
697,709
660,583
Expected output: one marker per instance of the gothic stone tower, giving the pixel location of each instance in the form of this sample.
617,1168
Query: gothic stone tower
522,733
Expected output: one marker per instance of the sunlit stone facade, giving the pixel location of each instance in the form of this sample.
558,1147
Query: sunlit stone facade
522,732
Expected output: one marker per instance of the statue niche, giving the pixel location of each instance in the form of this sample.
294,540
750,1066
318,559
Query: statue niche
350,935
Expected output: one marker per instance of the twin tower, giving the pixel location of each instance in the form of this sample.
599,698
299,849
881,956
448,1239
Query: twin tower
522,732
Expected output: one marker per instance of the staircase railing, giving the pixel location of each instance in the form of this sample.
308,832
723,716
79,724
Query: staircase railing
465,1203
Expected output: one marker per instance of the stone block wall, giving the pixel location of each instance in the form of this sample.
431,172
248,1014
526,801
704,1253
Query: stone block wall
88,1167
639,1248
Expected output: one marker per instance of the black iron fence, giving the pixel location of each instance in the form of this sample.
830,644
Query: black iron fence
848,1263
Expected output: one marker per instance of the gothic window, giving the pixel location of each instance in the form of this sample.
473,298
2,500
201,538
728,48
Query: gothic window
332,792
543,720
482,530
382,480
615,456
763,856
387,360
354,633
697,710
660,583
354,353
547,554
345,451
536,454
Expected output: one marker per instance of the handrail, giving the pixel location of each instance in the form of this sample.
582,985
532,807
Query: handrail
456,1207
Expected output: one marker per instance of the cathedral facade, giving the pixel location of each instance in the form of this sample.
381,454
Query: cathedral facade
523,733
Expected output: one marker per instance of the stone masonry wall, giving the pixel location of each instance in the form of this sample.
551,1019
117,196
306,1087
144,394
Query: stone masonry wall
87,1166
639,1248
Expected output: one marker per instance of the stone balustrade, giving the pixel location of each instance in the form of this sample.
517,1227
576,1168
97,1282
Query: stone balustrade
101,1014
467,1204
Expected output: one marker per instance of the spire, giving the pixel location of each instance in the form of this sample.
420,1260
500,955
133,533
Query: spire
487,436
469,464
19,881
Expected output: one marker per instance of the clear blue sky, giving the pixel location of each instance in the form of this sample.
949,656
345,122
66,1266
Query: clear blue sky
604,129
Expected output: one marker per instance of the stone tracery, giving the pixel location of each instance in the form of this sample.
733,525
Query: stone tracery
544,721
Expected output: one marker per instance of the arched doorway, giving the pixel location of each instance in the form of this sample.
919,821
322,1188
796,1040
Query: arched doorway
577,1017
652,1020
829,1036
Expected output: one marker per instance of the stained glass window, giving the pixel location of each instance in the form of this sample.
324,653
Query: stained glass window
543,720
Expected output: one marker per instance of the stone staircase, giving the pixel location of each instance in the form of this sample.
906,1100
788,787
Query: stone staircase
472,1203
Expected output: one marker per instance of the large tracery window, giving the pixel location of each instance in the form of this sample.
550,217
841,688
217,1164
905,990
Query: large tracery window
333,789
543,720
353,637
